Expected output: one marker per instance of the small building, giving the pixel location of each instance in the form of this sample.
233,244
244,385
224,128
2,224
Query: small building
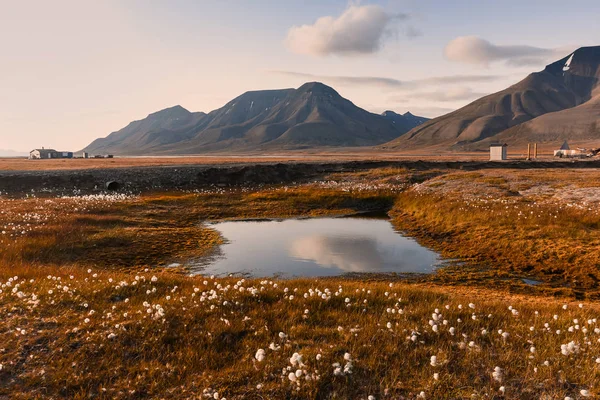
39,154
82,154
565,151
498,152
44,154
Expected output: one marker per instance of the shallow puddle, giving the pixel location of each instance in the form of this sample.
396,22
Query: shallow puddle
315,247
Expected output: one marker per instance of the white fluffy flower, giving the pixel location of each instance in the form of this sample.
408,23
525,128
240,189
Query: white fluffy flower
497,374
260,355
433,361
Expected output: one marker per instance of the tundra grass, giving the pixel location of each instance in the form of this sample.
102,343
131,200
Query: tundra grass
75,333
88,312
487,223
154,229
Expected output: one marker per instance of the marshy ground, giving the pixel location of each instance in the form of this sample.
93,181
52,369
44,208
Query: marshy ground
90,309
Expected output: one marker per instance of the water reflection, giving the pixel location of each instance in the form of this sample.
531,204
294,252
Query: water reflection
316,247
349,254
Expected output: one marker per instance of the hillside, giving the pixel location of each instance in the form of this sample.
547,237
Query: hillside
159,129
312,116
562,102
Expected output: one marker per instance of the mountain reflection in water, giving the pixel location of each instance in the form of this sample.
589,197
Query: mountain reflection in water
316,247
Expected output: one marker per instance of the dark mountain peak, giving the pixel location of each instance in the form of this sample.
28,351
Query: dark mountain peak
579,71
404,122
171,112
584,60
317,88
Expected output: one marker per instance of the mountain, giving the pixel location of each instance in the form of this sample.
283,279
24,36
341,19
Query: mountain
405,121
562,102
314,115
161,128
12,153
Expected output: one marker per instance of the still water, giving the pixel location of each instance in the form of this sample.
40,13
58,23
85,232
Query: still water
315,247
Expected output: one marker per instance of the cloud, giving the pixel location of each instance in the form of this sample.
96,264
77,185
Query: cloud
390,83
348,254
411,32
344,80
475,50
359,30
448,95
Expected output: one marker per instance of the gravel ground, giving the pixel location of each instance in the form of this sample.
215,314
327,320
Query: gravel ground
190,177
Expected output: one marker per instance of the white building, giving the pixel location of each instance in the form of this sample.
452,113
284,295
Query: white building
498,152
565,151
42,154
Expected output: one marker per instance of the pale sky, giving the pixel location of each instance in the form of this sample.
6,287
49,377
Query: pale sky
75,70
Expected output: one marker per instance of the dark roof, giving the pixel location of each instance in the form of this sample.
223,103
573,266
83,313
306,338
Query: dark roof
498,145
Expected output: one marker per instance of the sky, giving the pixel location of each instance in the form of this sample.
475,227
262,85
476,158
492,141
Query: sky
75,70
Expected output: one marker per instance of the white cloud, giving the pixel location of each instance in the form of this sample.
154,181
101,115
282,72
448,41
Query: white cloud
359,30
390,83
348,254
475,50
449,95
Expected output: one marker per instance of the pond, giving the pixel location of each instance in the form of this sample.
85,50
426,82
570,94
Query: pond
315,247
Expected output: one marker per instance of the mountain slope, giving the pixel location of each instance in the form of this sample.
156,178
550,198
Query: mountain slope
580,123
158,129
553,105
314,115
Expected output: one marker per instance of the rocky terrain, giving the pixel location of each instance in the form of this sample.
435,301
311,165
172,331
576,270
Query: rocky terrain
192,177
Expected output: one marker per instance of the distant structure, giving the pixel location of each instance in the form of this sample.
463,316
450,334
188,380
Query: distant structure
565,151
82,154
498,152
44,154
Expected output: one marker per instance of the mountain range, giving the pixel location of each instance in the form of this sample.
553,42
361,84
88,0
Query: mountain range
312,116
561,102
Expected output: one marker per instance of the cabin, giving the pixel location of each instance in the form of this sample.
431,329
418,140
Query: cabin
498,152
44,154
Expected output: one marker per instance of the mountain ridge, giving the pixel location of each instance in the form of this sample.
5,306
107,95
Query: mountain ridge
313,115
561,102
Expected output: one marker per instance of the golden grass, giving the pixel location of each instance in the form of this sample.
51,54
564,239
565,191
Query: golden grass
323,155
160,229
180,337
498,231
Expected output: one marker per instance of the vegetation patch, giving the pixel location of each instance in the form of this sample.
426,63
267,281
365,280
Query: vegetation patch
156,229
72,333
496,233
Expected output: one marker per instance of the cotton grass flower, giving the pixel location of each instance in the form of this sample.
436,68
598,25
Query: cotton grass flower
497,374
260,355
